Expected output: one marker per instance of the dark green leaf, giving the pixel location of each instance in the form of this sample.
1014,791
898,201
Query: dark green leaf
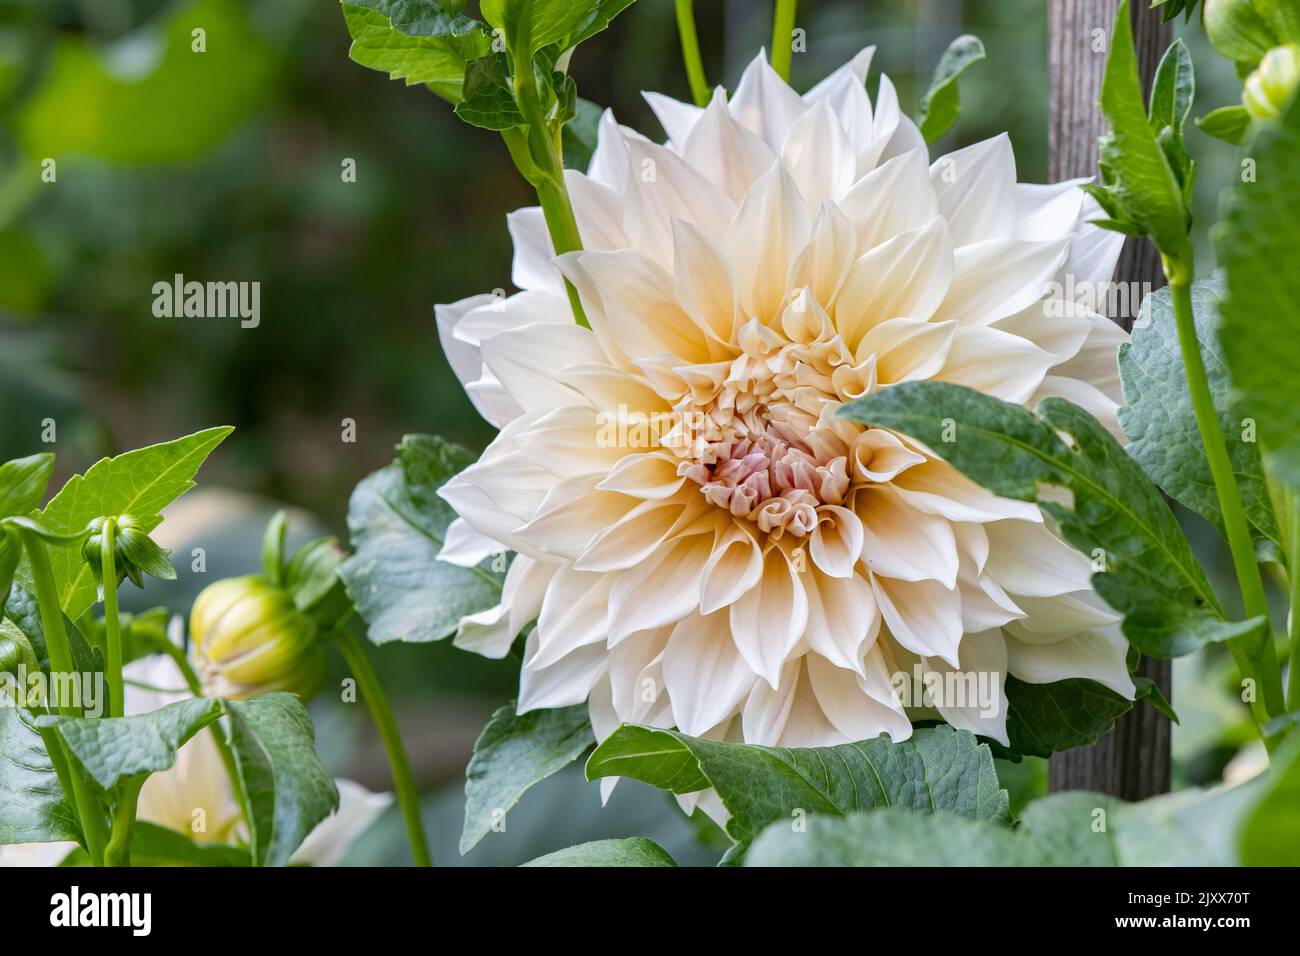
1144,185
152,845
579,136
1260,335
140,482
1270,835
397,523
1114,515
489,98
22,611
1150,691
530,25
938,768
1172,91
1043,719
22,483
32,808
419,41
942,103
112,748
513,753
1161,424
288,790
636,851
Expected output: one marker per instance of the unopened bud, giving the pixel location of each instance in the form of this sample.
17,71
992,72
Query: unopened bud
1271,86
134,552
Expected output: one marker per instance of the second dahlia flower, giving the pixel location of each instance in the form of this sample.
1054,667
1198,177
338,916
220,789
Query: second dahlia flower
702,542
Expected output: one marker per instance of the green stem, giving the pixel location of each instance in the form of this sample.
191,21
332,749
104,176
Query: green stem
782,37
691,52
1259,665
56,643
118,851
382,714
112,622
1293,569
538,156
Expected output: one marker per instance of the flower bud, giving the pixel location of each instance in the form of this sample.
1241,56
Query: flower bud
1237,31
251,639
134,552
1271,86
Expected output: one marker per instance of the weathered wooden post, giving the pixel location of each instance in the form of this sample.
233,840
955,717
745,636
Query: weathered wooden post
1133,761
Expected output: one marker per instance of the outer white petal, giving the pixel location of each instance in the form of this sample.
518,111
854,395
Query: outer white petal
1097,655
532,267
891,199
765,104
493,632
562,684
982,671
976,188
704,673
465,547
676,117
1027,559
329,841
1047,211
850,709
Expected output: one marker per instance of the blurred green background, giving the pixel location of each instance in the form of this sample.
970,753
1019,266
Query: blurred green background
226,165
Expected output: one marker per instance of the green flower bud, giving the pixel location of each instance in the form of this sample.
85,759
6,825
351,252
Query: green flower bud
251,639
134,552
1237,31
1271,86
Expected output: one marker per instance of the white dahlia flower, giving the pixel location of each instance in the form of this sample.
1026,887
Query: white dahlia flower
702,543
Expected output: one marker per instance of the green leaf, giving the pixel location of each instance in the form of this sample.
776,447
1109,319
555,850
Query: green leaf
530,25
1189,828
312,572
1270,835
1141,181
1160,421
22,483
579,135
112,748
1228,123
941,104
1043,719
1100,499
87,103
32,808
397,523
513,753
152,845
23,614
1237,31
489,100
636,851
288,790
419,41
1150,691
938,768
140,482
1172,92
1260,335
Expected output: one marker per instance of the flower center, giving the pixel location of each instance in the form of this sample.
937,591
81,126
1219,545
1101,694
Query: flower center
757,433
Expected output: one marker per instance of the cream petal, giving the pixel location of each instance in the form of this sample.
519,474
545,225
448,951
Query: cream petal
765,104
1050,618
705,675
676,117
1029,561
852,712
807,724
769,619
905,276
923,616
836,542
845,92
735,567
996,278
329,841
825,261
466,360
573,515
1088,397
573,615
979,685
492,633
937,488
819,156
562,684
996,363
524,360
907,349
662,187
879,456
1095,251
770,228
651,475
1096,655
903,543
631,539
464,546
725,151
1055,324
843,619
662,589
893,198
1097,361
976,189
1048,211
984,604
532,268
598,210
906,135
609,160
767,709
702,278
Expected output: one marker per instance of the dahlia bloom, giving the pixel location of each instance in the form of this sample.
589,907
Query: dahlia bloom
702,542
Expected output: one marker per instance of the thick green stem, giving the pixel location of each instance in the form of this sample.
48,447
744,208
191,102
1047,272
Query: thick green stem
118,851
112,622
691,52
1293,569
783,37
1257,664
382,714
56,643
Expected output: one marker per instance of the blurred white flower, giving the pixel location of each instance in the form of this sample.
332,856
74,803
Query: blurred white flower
702,543
196,788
